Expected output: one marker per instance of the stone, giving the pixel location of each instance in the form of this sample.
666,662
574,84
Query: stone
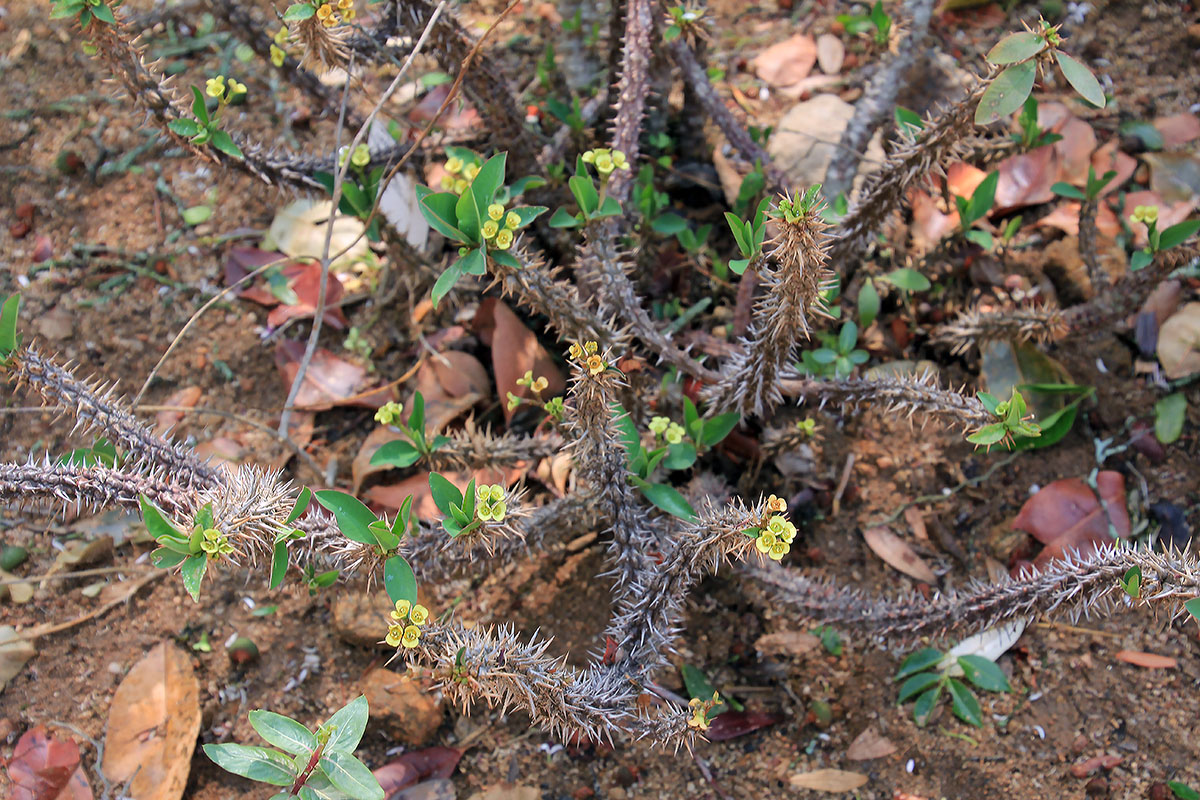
402,706
805,140
360,617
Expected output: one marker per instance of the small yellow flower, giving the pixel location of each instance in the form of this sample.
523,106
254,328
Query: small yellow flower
361,156
349,14
277,56
344,4
281,36
513,220
490,229
236,88
761,544
330,21
470,171
454,165
448,183
460,186
619,160
1145,214
504,238
589,156
595,365
789,533
495,492
498,511
540,384
526,379
419,614
779,550
513,401
674,434
412,635
389,413
394,635
699,718
484,512
401,610
495,211
324,11
658,425
575,351
604,164
776,505
776,525
215,87
591,348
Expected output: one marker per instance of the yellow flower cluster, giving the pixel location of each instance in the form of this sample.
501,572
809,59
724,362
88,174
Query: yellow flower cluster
215,87
459,174
775,538
605,160
278,54
588,353
390,413
664,427
700,709
538,384
215,544
327,13
407,620
489,503
500,226
1145,214
359,158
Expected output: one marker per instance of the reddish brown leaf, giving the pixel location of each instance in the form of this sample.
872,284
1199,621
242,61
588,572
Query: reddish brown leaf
1109,157
329,381
187,397
361,467
1146,660
1178,129
1066,515
732,724
868,745
515,351
46,768
787,62
450,382
305,281
419,765
896,552
1025,179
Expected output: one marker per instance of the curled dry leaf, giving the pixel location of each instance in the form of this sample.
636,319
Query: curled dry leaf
787,62
1146,660
152,725
44,767
1179,342
868,745
930,222
417,766
897,554
299,230
828,780
515,351
329,381
733,724
1067,515
1026,178
450,382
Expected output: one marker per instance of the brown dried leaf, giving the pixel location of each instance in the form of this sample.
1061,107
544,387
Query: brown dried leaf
897,554
329,381
15,650
419,765
515,351
305,281
361,467
152,725
1107,157
450,383
1025,179
186,397
831,53
916,521
1179,342
1066,515
868,745
787,62
1178,129
787,643
46,768
733,724
1146,660
828,780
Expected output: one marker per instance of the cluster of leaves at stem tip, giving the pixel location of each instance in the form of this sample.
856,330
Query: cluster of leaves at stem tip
925,675
203,128
682,19
877,24
749,235
360,187
85,11
328,12
1014,421
675,447
591,197
477,222
1021,54
1157,240
463,512
400,454
311,765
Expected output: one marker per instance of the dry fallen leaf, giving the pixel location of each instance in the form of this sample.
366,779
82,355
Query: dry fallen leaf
329,381
14,652
1178,129
1066,515
1025,179
1108,157
361,467
152,725
299,230
515,351
916,521
830,53
187,397
43,767
1147,660
788,61
450,383
787,643
305,280
1175,177
1179,342
897,554
828,780
868,745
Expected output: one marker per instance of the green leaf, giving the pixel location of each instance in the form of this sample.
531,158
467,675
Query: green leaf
1168,417
740,233
298,12
445,493
981,238
301,505
917,684
156,521
399,580
585,194
919,661
166,558
8,325
984,673
184,126
717,428
353,518
351,776
319,787
982,198
506,259
666,498
224,142
346,726
609,208
199,109
908,279
925,705
1016,47
989,434
868,304
1067,190
284,732
474,262
527,214
1193,608
193,574
1140,260
399,454
256,763
1183,791
103,13
197,214
446,282
1006,94
847,337
1178,234
487,181
738,266
438,211
965,706
680,456
1131,582
908,122
279,565
669,223
564,219
1081,79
